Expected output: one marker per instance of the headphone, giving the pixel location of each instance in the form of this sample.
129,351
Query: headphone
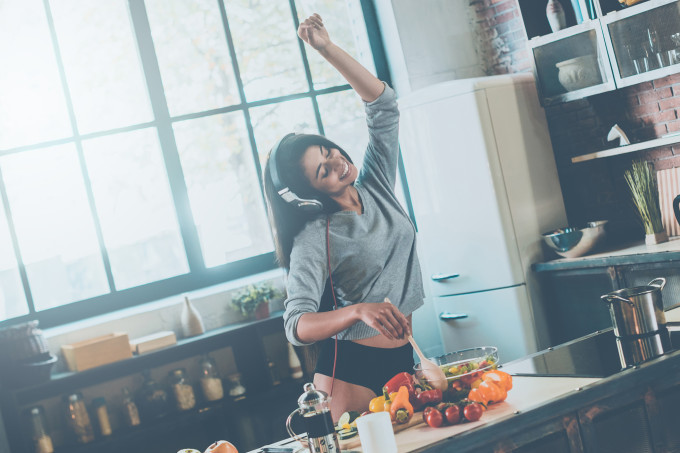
311,205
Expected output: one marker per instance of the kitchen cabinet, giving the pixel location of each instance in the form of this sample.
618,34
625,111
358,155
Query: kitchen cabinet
616,48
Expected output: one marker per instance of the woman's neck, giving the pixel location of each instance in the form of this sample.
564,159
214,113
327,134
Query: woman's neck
350,200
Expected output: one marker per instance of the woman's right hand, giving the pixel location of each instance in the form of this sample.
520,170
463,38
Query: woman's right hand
314,33
385,318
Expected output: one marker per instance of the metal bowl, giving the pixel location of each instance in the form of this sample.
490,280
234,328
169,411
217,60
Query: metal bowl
573,242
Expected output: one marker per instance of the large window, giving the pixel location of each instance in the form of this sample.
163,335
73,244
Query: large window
132,136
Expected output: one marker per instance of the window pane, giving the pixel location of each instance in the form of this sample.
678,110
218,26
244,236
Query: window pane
54,226
273,121
135,208
102,64
344,122
12,297
192,54
345,23
267,48
222,182
33,106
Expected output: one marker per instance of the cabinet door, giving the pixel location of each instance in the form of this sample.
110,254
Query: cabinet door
490,318
560,435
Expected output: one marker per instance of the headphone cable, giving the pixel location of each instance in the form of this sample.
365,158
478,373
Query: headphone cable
335,302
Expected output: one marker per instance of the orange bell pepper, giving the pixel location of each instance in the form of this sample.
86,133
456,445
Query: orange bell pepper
401,410
499,377
477,396
492,392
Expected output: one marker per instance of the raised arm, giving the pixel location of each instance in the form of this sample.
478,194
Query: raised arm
313,32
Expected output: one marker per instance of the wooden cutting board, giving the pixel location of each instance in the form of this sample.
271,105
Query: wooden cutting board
352,442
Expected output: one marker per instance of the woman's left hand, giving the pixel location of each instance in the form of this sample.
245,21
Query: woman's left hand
314,33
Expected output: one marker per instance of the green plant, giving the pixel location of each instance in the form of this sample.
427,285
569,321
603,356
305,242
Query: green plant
640,179
251,297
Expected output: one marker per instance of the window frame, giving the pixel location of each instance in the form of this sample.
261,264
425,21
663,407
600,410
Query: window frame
199,276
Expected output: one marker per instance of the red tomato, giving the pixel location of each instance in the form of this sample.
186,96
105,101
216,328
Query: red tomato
434,418
452,415
427,410
473,412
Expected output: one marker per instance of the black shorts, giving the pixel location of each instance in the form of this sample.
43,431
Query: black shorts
364,365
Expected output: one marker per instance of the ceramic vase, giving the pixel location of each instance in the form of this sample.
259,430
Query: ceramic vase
262,311
555,14
191,321
656,238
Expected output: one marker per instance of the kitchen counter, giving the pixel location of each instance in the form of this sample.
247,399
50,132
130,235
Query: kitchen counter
635,253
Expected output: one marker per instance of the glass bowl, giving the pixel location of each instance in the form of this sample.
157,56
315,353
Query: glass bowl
462,368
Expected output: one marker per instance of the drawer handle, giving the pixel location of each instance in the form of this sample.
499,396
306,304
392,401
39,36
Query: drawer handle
441,277
446,316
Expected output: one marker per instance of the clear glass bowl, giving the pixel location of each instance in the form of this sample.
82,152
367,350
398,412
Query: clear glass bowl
463,367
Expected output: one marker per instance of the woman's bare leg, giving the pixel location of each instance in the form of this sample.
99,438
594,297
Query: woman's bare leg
346,396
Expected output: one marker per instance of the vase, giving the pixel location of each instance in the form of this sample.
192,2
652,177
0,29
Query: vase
656,238
191,321
262,311
555,15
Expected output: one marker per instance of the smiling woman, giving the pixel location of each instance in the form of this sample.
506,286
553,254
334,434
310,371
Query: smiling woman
131,138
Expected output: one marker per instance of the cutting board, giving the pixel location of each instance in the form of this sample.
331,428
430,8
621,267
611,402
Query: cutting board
352,442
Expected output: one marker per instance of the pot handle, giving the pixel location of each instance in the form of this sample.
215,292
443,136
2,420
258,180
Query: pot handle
656,280
609,298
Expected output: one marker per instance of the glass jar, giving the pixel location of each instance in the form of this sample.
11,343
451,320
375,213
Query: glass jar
182,390
153,400
211,383
78,419
237,391
130,411
42,442
101,414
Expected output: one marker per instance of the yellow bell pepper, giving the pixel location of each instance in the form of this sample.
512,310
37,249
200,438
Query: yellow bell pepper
381,403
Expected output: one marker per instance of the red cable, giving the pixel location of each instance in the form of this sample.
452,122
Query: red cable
330,276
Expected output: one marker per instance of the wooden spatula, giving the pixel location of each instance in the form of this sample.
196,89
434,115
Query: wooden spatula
431,371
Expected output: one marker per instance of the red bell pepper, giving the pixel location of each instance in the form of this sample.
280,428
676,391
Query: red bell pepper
402,379
429,397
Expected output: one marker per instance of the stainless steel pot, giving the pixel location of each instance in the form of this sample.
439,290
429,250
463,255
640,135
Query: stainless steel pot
638,310
635,350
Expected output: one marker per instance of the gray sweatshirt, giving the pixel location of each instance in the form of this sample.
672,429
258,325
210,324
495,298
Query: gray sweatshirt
373,255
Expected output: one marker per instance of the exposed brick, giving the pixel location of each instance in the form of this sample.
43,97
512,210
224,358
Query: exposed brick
665,164
676,90
655,95
669,104
657,154
505,6
673,126
665,81
506,17
641,87
645,109
676,149
661,117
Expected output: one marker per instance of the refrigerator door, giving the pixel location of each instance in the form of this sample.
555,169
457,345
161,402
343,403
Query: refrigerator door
458,194
498,318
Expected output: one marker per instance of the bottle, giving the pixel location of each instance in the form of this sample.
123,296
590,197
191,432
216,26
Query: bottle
555,14
237,391
192,324
294,363
130,411
211,383
102,415
153,400
182,390
78,419
273,373
42,441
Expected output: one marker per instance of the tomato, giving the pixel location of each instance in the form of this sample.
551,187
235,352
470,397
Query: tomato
434,418
452,414
473,412
426,411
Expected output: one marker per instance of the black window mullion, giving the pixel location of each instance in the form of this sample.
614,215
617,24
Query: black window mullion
166,136
305,64
79,147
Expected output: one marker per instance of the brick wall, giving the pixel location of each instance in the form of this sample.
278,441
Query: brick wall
595,189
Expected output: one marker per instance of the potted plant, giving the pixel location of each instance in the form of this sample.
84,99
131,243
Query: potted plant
640,179
253,300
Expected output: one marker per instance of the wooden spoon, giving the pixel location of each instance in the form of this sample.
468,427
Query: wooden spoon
431,371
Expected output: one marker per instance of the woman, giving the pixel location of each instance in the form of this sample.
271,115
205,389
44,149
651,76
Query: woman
325,214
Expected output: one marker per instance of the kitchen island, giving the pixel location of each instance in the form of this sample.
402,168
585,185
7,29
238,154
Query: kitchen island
633,410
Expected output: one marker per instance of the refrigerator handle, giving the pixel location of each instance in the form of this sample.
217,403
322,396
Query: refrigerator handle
442,277
446,316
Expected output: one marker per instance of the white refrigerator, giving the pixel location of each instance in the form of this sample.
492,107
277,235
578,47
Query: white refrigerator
484,186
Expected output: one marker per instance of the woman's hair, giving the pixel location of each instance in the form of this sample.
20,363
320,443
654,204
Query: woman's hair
286,220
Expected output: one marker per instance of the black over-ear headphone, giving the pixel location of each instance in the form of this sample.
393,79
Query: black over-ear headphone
284,191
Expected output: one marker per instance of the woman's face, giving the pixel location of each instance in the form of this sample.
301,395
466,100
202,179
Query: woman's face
327,170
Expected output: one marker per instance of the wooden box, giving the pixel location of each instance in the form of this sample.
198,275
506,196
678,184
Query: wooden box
153,342
97,351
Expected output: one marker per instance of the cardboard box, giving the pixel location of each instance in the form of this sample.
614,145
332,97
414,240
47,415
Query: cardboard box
98,351
153,342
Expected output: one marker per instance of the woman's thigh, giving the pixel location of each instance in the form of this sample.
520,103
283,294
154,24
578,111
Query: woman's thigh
346,396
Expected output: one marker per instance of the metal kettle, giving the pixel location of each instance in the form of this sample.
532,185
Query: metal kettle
314,407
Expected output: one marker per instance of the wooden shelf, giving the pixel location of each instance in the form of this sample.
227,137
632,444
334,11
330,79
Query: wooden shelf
656,143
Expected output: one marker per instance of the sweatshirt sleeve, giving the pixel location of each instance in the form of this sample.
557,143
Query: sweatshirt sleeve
382,153
306,278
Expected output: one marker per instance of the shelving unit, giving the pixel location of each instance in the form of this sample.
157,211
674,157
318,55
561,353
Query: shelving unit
650,144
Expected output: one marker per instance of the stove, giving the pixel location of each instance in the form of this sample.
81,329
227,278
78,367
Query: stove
596,355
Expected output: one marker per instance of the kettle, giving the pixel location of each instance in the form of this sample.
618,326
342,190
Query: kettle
314,407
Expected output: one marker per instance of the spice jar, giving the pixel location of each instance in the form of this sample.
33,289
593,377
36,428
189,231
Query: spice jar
42,441
130,411
237,391
182,390
78,419
101,414
211,383
153,400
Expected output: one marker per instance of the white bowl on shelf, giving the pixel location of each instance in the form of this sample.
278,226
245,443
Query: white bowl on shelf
580,72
